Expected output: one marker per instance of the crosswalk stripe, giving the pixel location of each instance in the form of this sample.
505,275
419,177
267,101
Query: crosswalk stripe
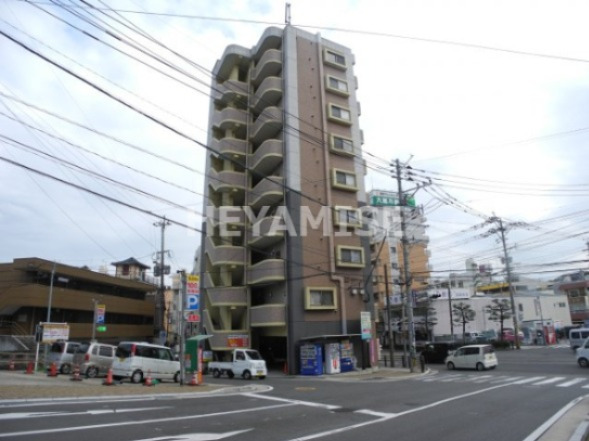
449,378
572,382
548,381
504,379
528,380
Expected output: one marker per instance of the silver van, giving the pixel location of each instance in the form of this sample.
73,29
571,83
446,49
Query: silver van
62,354
94,359
138,360
577,336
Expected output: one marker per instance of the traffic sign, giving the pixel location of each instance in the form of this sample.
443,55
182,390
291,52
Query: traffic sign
191,317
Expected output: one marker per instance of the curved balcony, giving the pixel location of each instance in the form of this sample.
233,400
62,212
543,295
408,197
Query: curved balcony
267,157
267,271
227,296
270,64
230,91
268,94
268,192
233,56
224,254
268,315
227,180
268,124
264,232
229,118
220,340
226,215
229,146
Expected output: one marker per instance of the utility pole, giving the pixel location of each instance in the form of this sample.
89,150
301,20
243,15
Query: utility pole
501,229
406,277
389,325
181,306
450,307
159,299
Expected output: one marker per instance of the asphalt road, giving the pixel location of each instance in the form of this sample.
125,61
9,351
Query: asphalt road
506,404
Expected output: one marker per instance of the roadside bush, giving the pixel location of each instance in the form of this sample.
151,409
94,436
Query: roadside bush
499,344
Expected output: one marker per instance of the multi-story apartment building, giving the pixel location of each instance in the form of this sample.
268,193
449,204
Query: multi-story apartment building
387,251
282,259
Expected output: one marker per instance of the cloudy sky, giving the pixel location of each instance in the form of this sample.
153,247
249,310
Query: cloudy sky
487,100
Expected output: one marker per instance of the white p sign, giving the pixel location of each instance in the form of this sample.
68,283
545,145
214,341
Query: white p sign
192,301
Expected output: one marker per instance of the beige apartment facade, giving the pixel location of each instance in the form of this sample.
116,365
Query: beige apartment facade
285,259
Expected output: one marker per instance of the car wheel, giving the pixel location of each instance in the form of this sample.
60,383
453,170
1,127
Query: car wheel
92,372
137,377
65,369
583,362
450,366
177,377
247,375
480,367
230,374
216,373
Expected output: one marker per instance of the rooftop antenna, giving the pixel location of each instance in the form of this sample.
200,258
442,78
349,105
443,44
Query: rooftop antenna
287,14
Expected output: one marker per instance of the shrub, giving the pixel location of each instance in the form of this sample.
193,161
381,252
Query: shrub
499,344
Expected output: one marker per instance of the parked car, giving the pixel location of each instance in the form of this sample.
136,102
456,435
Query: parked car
437,352
509,335
94,359
479,357
62,354
247,363
583,353
135,360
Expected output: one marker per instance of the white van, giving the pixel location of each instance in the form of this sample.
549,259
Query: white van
62,354
137,360
577,336
583,354
479,357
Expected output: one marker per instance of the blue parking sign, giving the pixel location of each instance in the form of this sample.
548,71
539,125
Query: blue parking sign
192,302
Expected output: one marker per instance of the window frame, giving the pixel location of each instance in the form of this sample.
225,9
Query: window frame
341,186
336,89
338,209
335,149
310,289
340,262
330,57
338,119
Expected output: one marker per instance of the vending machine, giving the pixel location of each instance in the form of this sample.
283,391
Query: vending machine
347,356
332,358
311,360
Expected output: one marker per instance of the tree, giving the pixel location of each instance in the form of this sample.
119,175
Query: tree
428,317
499,311
463,313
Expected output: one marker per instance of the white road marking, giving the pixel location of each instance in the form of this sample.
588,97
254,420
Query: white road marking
548,381
197,436
21,415
142,422
377,414
536,434
572,382
396,415
295,402
528,380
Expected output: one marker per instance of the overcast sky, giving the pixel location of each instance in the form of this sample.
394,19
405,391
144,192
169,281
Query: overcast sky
488,99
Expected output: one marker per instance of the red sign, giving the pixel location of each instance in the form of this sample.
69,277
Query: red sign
193,318
238,341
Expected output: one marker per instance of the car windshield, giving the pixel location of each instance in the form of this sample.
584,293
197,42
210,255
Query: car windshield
57,347
124,350
254,355
82,348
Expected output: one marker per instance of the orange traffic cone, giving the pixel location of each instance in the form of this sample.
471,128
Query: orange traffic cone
108,381
193,380
199,377
76,376
29,368
148,381
11,365
52,370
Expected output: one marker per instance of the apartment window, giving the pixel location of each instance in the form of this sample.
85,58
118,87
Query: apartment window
334,58
350,256
320,298
348,216
344,180
337,85
340,114
341,145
